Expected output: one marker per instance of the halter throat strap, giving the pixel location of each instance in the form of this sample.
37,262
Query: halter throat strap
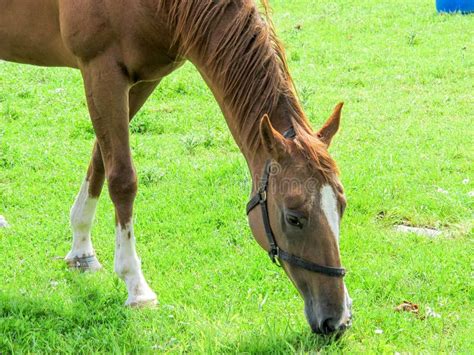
275,252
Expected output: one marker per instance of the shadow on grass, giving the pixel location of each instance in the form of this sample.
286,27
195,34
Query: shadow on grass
305,342
88,321
84,313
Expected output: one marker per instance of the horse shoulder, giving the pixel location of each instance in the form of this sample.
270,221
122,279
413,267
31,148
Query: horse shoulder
86,28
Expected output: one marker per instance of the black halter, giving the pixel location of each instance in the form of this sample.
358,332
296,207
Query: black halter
275,252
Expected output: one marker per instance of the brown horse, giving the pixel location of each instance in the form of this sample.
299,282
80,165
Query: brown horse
123,49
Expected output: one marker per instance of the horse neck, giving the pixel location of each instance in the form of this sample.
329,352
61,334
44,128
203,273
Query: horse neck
278,102
249,144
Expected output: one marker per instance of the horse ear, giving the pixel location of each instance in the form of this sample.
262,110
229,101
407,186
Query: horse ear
272,140
331,126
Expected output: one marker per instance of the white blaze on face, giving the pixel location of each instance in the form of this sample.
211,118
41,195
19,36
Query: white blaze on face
329,207
331,212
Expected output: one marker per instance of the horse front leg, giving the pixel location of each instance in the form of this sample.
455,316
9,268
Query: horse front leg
82,255
107,91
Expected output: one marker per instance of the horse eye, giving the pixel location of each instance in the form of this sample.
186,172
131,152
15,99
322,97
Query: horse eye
294,220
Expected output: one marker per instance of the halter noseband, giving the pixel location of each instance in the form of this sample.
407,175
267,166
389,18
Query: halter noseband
275,252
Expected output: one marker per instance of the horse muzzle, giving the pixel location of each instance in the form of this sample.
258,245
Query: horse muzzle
329,320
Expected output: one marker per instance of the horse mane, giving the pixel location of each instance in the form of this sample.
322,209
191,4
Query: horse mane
249,61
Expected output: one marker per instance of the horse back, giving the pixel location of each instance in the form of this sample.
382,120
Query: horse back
71,32
30,33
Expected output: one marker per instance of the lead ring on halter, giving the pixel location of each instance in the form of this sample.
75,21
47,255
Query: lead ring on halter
275,252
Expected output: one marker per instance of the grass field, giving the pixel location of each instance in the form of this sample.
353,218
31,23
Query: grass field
406,155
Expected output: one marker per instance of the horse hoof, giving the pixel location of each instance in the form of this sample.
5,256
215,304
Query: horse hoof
84,263
145,301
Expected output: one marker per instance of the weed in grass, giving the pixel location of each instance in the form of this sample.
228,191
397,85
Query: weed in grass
191,142
412,39
150,176
10,114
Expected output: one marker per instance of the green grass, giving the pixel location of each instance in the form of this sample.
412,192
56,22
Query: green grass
406,75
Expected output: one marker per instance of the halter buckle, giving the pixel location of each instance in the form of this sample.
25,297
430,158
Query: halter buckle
263,195
274,254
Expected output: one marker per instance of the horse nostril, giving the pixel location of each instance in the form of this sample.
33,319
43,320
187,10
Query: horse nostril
327,326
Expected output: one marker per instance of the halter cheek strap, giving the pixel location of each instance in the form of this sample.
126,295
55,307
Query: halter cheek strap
275,252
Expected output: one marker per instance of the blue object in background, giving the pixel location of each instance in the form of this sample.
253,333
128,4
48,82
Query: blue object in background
464,6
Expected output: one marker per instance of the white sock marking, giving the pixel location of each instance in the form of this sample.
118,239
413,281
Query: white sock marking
329,207
128,267
82,216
